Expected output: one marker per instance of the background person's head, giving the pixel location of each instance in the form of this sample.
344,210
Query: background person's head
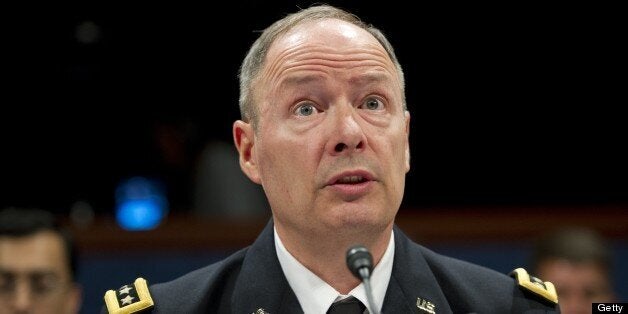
325,128
37,264
578,262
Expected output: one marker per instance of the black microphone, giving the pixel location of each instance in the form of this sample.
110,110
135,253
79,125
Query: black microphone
360,263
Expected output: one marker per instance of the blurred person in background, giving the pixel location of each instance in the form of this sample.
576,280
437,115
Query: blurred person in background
578,262
37,264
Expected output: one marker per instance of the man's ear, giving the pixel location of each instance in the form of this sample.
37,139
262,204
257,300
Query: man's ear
407,154
244,138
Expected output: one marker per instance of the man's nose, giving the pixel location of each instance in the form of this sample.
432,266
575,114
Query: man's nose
347,135
23,298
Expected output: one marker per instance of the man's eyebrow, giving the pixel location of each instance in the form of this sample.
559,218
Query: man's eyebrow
6,273
43,273
34,272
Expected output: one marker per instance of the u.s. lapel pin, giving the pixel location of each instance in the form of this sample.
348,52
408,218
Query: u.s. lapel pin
425,306
260,311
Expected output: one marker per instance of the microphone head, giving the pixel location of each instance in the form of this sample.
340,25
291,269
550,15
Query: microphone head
359,257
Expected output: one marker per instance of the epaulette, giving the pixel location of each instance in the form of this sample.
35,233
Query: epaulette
546,289
129,299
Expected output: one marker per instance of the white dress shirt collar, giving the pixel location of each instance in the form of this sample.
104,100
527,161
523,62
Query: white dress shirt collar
315,295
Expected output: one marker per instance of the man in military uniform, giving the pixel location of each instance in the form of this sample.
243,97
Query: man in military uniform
325,130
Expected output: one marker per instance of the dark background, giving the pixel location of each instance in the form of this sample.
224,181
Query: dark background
514,104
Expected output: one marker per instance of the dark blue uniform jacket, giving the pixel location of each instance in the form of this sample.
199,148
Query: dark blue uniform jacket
251,279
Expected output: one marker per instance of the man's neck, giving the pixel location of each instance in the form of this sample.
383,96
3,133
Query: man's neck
325,254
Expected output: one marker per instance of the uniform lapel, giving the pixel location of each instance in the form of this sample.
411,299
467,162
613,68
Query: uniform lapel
413,287
261,286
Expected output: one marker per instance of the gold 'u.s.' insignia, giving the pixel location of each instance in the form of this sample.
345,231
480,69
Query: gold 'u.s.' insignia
546,289
129,298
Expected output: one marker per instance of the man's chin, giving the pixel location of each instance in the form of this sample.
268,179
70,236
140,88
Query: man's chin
357,218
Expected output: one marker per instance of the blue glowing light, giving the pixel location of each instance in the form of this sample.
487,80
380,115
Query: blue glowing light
141,204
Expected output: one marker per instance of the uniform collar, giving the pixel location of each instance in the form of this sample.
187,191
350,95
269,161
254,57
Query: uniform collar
412,281
315,295
262,285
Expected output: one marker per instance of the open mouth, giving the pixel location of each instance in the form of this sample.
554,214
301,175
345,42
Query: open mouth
351,185
351,180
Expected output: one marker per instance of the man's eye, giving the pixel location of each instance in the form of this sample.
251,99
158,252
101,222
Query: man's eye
7,286
44,284
305,109
7,283
372,104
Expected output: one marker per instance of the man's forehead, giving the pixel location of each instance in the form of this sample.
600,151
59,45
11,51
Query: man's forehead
41,262
329,43
331,32
44,238
325,28
42,248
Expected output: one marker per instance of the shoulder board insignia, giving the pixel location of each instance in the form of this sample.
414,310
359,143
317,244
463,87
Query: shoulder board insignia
546,289
129,299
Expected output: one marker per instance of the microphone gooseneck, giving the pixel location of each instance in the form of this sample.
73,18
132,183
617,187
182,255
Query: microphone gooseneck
360,263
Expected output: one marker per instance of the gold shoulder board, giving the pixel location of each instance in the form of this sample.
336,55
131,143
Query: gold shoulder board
546,289
129,299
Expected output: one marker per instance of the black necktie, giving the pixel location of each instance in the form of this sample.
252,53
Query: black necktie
349,305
